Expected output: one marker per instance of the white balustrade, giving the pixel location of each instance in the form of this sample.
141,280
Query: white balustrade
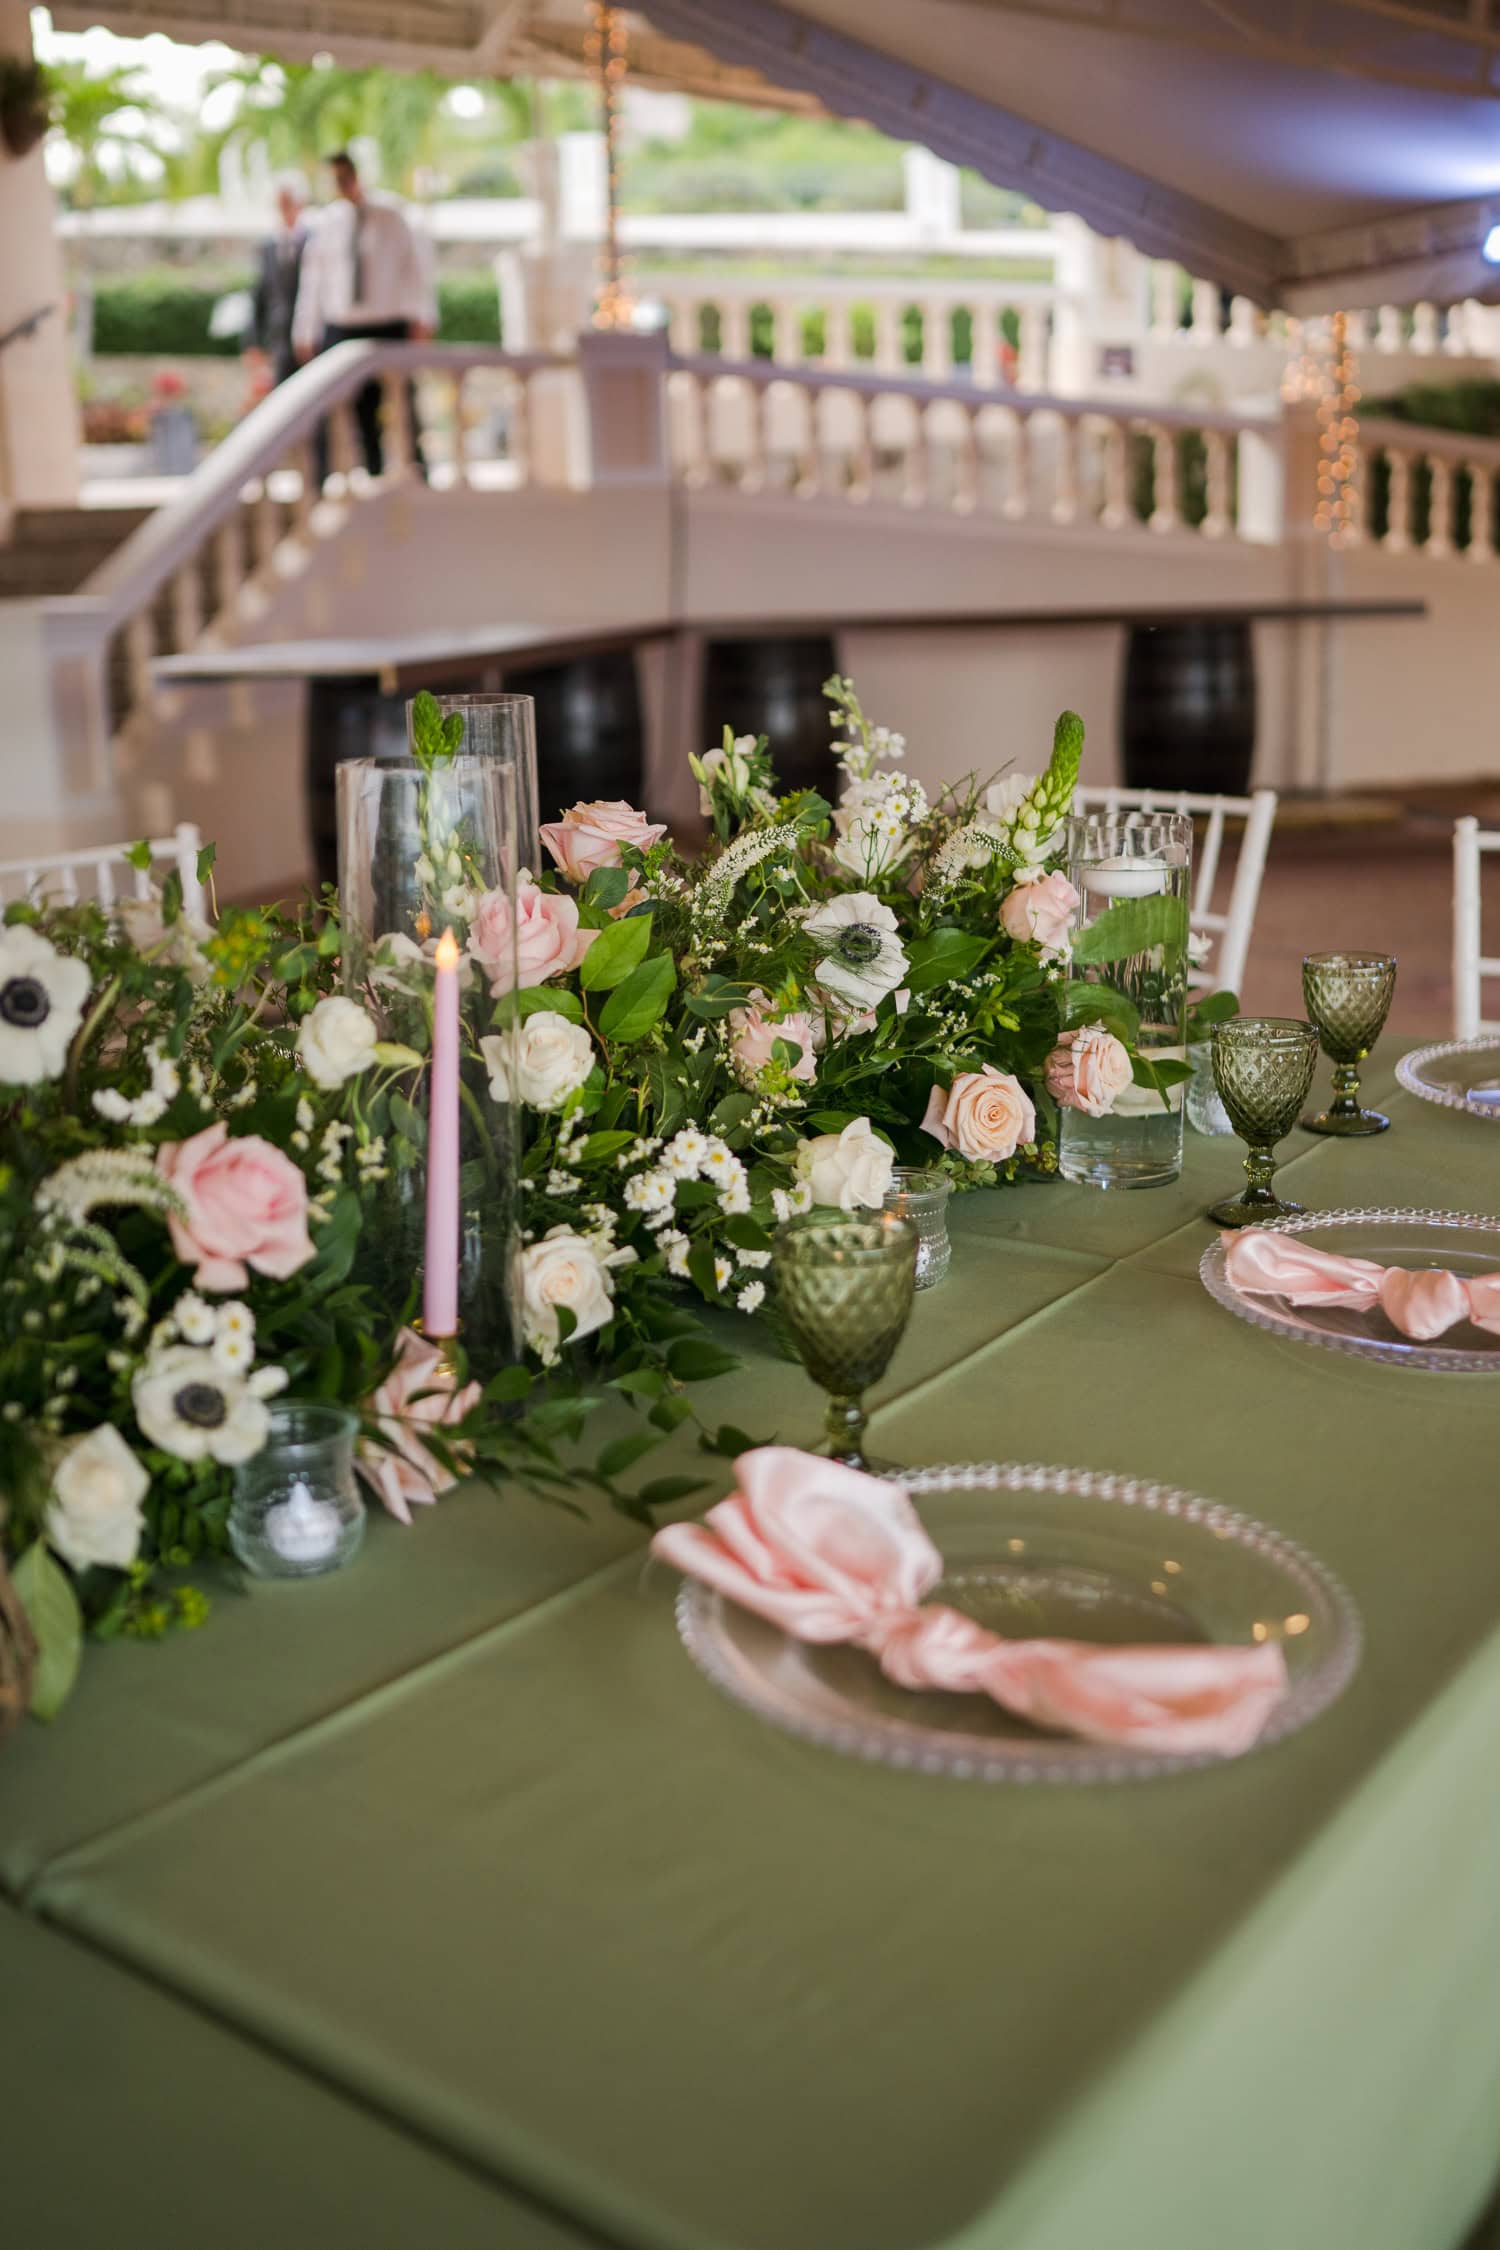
1438,496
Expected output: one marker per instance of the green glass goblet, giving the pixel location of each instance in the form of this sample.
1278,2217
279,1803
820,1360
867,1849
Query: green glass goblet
1348,997
1263,1067
844,1288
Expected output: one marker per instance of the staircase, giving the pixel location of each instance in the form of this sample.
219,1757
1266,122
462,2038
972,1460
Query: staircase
53,550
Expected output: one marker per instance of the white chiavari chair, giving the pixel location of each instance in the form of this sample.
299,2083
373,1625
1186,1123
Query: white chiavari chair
102,871
1470,964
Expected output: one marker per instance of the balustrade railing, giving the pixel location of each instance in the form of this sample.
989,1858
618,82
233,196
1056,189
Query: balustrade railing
998,335
291,476
857,435
1426,492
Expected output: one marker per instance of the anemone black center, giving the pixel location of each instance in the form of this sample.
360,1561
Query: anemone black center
24,1002
201,1405
859,942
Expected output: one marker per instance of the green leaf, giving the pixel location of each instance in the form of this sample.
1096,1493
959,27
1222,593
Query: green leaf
1085,1003
1133,925
664,1094
732,1111
540,999
661,1492
745,1233
51,1606
615,952
694,1359
139,857
392,1056
171,898
603,1144
206,858
729,1440
607,887
1214,1007
408,1121
508,1387
624,1452
640,1382
716,996
944,956
638,1004
1159,1075
670,1413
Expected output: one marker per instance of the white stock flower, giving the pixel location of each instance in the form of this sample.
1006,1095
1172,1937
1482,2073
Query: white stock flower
188,1405
730,767
1004,800
874,820
94,1514
564,1272
337,1041
539,1061
849,1171
42,995
865,959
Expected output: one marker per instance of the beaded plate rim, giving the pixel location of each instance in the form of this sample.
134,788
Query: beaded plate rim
1408,1074
883,1739
1432,1359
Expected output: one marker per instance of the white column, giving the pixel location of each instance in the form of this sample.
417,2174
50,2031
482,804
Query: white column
932,194
38,410
625,384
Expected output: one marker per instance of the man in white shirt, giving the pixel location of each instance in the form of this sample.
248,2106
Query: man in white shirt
365,272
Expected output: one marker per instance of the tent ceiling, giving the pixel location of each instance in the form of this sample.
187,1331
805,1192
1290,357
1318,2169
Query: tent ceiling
1308,152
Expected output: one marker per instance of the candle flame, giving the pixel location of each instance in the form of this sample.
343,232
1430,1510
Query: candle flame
447,951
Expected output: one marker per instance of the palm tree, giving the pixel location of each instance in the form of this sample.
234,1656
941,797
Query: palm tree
95,111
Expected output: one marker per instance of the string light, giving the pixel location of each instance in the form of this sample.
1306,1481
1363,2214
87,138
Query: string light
606,53
1337,396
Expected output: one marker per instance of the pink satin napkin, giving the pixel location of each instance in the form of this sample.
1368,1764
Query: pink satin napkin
830,1554
1422,1303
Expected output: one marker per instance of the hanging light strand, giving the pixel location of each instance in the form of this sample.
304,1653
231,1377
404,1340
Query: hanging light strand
1338,395
606,52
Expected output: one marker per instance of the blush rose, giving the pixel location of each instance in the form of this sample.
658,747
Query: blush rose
1088,1070
541,939
245,1204
1039,912
589,836
986,1115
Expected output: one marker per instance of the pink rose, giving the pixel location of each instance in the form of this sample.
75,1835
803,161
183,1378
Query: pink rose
417,1395
985,1114
752,1034
1039,910
246,1205
590,836
1088,1070
540,940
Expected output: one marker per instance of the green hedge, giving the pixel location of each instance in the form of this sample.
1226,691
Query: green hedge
166,315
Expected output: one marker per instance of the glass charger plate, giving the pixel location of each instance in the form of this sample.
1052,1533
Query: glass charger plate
1448,1072
1467,1242
1039,1552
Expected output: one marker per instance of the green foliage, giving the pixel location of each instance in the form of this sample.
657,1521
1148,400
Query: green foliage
1131,926
164,312
51,1606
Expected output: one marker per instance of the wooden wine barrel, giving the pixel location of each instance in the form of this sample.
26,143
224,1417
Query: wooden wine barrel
590,738
775,688
1187,709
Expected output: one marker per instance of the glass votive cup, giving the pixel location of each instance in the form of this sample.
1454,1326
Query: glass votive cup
296,1511
921,1197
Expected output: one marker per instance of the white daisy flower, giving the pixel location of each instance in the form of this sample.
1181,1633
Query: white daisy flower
651,1191
719,1162
723,1268
234,1354
685,1152
197,1321
787,1203
751,1297
42,995
676,1246
189,1405
756,1260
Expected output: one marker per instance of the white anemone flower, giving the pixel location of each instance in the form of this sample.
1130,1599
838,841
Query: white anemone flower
42,995
190,1405
865,959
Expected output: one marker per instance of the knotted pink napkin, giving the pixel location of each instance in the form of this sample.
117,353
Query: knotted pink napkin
830,1554
1422,1303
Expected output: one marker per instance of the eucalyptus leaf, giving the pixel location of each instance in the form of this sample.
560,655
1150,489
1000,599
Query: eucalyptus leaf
51,1606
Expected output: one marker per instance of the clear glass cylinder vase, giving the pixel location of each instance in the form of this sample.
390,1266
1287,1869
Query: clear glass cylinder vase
296,1511
502,727
1132,871
428,865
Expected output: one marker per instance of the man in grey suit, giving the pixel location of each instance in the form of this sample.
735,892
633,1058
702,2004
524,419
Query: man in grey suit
277,283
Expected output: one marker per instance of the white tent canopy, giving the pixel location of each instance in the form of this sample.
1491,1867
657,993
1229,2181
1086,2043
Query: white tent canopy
1309,153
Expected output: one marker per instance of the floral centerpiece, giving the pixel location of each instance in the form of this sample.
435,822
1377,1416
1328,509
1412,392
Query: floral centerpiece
201,1125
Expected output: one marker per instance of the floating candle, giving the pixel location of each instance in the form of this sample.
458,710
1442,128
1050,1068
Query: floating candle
1128,875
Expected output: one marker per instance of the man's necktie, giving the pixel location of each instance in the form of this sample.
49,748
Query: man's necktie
357,286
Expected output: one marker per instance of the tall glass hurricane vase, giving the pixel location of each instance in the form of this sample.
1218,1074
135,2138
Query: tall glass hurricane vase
428,852
1131,871
502,727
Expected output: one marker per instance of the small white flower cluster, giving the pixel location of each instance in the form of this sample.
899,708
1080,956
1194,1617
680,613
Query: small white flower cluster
149,1106
712,898
787,1203
242,1096
226,1332
105,1176
875,820
965,848
369,1160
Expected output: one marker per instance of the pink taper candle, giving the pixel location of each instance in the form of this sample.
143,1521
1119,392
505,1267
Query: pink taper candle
440,1275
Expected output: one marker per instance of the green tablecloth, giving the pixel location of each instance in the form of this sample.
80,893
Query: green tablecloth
463,1836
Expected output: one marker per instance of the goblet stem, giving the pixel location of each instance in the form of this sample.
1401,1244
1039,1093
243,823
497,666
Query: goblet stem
845,1423
1345,1101
1260,1170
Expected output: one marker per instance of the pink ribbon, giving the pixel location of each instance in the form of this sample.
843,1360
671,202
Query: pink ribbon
830,1554
1422,1303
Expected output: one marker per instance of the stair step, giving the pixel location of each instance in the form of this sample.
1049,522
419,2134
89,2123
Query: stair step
107,525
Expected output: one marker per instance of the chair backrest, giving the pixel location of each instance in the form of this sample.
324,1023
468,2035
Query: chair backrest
103,872
1470,965
1234,925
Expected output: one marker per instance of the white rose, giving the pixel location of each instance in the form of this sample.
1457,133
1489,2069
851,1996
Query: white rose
337,1041
94,1514
562,1272
539,1061
849,1170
